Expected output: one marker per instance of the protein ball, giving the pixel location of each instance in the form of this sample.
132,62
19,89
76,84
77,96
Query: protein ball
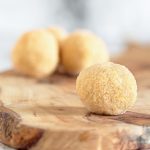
58,33
36,54
82,49
107,88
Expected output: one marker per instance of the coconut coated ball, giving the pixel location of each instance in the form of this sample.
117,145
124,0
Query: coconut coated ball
58,33
107,88
82,49
36,54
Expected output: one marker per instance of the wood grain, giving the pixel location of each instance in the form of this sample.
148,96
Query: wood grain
47,114
137,58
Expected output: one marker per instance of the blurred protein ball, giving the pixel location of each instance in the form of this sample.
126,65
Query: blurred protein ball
59,33
80,50
36,54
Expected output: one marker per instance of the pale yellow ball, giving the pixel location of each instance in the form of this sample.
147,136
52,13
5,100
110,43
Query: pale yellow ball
59,33
107,88
82,49
36,54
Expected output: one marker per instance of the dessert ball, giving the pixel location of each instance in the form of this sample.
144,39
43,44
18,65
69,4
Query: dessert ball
58,33
107,88
82,49
36,54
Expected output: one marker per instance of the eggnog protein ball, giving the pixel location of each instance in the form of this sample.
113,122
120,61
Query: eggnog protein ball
82,49
36,54
58,33
107,88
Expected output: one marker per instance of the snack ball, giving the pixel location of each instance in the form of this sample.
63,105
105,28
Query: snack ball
82,49
58,33
107,88
36,54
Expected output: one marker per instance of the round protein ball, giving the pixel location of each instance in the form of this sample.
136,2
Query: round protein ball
36,54
59,33
82,49
107,88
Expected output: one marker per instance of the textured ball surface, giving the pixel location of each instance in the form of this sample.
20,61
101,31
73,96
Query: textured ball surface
36,54
82,49
107,88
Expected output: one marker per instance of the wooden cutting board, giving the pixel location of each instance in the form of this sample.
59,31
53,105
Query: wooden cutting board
48,115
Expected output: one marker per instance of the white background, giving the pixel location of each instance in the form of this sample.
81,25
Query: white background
116,21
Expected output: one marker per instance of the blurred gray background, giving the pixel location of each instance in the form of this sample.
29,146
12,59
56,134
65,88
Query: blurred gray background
115,21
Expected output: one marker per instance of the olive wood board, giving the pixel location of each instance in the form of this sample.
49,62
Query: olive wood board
47,114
